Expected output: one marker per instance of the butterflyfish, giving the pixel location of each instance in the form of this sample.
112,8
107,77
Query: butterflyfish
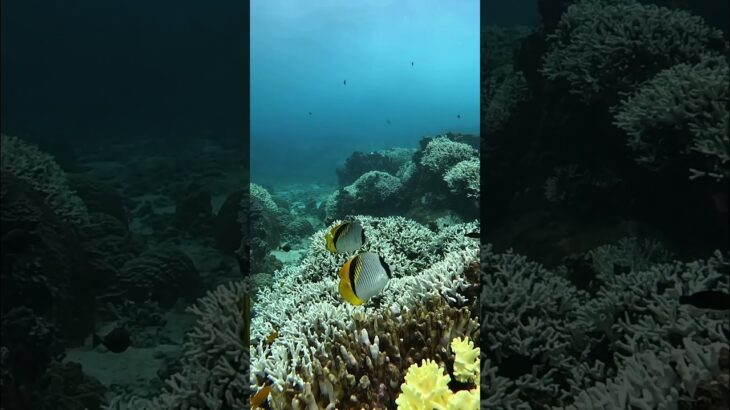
345,237
362,277
258,399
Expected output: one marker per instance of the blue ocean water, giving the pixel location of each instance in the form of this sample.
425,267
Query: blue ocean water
411,67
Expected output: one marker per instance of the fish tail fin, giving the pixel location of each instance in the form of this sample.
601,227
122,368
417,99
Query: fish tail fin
95,340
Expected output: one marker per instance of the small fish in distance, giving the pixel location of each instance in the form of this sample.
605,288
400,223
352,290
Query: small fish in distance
387,122
411,63
116,341
707,299
344,82
475,235
458,115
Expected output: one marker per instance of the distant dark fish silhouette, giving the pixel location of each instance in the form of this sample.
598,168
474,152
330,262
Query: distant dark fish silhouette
474,235
388,122
344,82
116,341
411,63
458,115
310,113
707,299
620,269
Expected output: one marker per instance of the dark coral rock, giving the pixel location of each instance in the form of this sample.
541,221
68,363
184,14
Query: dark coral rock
64,386
29,343
99,196
51,275
162,275
194,211
226,225
359,163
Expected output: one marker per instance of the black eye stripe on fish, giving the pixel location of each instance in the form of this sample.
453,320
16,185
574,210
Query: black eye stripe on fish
340,231
345,237
353,269
367,273
385,266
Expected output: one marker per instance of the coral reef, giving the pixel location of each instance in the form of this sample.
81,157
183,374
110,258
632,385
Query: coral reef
547,343
464,177
303,307
503,90
26,162
373,356
682,111
214,361
442,153
162,275
359,163
604,48
371,193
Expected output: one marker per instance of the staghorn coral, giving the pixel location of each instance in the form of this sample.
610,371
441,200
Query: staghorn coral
372,193
545,343
464,177
648,380
26,162
682,111
365,366
260,194
373,187
442,153
303,305
499,46
601,48
502,91
525,313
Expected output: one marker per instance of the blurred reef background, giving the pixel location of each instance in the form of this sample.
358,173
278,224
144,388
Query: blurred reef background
605,268
123,130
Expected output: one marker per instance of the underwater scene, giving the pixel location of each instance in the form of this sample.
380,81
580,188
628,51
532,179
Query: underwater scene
604,258
122,157
172,242
364,205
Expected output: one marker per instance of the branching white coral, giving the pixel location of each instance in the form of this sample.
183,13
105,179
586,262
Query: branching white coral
441,154
598,44
464,177
304,306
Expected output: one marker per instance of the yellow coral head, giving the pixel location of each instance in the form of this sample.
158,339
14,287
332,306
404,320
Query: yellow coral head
465,400
466,363
426,387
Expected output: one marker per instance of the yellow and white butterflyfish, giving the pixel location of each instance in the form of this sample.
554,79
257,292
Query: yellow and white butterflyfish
362,277
346,237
